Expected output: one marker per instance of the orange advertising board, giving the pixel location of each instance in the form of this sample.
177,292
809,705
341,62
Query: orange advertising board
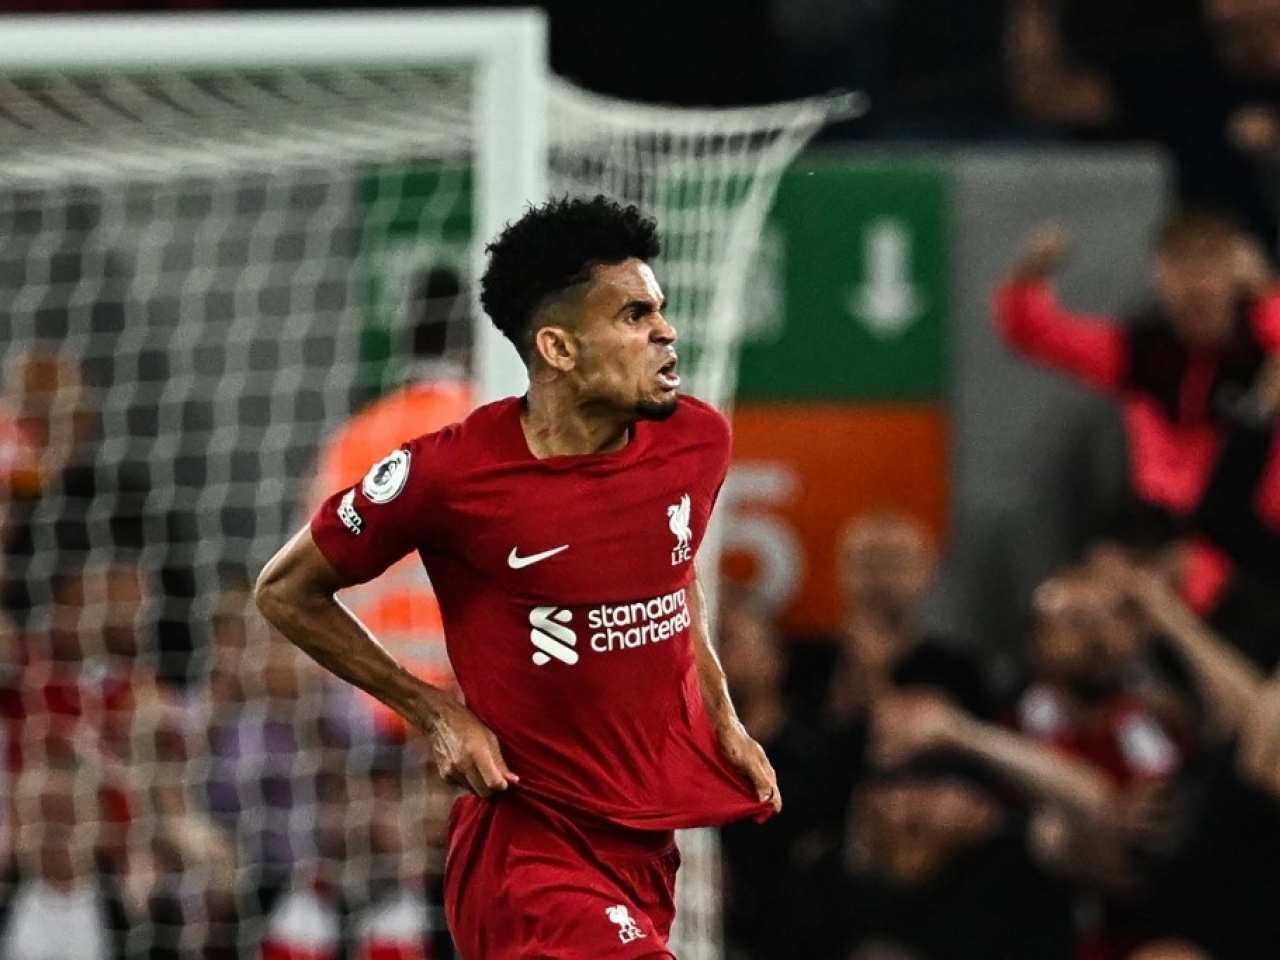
801,471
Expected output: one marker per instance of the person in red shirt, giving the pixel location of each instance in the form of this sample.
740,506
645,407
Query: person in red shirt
560,530
1081,704
1177,367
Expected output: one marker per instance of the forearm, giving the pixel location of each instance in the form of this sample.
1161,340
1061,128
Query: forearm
715,689
302,606
1228,681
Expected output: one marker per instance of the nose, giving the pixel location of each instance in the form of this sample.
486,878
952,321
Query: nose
663,332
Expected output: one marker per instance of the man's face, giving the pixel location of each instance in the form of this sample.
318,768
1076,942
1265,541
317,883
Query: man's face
1084,640
885,567
1246,35
626,360
1195,282
914,830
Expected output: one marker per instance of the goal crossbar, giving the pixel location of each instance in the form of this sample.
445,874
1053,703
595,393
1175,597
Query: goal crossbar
507,47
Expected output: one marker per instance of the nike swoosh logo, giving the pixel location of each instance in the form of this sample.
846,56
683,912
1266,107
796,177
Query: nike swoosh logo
517,562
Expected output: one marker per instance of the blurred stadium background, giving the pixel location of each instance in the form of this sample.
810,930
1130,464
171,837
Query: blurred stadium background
940,569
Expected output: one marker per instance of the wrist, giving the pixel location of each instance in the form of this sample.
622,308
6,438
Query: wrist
422,704
726,721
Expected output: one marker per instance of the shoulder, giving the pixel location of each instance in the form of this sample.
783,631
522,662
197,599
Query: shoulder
484,429
701,420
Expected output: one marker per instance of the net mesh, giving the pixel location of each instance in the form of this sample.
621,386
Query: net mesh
201,278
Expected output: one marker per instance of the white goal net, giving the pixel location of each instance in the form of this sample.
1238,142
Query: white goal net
203,273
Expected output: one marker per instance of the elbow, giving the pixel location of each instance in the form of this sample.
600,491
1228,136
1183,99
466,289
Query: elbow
270,592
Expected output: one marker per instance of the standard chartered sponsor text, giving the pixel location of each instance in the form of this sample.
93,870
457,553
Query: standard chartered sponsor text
624,626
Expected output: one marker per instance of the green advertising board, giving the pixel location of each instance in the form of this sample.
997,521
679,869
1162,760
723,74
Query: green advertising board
850,301
414,218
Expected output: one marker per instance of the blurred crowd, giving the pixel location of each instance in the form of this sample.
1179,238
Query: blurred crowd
244,807
1121,799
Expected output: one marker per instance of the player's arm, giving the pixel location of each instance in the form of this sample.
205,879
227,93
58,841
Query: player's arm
736,744
295,592
1030,319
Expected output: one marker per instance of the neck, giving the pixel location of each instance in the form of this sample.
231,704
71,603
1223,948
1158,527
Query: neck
555,426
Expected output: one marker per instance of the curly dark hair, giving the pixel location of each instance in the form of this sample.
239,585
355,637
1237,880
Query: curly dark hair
552,248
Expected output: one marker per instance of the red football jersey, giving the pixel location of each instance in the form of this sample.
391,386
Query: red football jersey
564,589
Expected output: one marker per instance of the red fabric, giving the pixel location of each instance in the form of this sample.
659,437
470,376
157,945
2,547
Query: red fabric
55,706
555,889
1266,501
55,702
284,951
1169,463
1169,460
1266,321
303,925
582,661
1206,571
1090,348
1123,740
400,608
1126,743
19,458
393,951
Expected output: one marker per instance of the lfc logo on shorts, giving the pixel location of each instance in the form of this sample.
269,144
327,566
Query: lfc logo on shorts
627,929
678,521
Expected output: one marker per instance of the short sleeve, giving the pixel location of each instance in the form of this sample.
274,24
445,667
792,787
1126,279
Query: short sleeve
388,514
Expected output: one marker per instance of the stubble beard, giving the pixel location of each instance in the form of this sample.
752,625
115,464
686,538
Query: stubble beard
656,409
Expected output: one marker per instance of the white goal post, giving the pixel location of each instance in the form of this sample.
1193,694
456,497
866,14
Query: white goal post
508,49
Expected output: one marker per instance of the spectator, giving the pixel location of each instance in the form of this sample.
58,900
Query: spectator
1240,508
375,891
62,897
1175,366
80,686
268,724
1195,79
82,697
932,866
65,500
885,566
1079,704
45,417
1072,825
400,607
1213,883
756,855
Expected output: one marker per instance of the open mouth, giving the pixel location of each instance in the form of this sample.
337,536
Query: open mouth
667,375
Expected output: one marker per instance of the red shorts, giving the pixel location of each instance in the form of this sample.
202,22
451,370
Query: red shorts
523,882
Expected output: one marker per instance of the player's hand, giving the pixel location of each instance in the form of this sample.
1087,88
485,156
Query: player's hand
1043,253
737,746
466,752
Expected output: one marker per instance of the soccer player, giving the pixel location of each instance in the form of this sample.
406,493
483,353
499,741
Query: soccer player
560,530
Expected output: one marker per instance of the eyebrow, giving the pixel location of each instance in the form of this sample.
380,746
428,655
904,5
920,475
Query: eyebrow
646,305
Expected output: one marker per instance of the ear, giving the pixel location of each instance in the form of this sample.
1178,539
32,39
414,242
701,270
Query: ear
557,347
